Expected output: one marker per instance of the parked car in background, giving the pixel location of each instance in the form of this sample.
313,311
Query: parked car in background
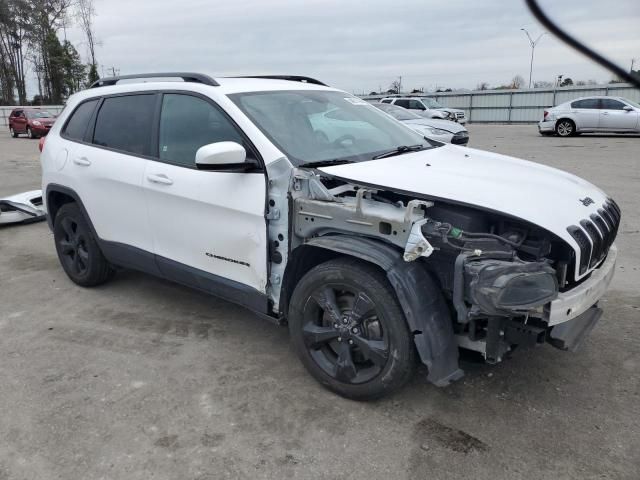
30,121
441,130
591,114
427,107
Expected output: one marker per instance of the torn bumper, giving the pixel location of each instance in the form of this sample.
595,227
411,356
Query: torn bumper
22,208
573,303
569,335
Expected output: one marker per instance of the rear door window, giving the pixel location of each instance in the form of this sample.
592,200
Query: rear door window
402,103
79,121
125,123
386,100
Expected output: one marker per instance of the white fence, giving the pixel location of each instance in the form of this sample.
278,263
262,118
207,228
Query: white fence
6,111
524,105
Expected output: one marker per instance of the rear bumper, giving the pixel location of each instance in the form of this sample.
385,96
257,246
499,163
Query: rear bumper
575,302
548,126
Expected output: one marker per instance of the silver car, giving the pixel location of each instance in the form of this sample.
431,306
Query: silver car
427,107
435,129
591,114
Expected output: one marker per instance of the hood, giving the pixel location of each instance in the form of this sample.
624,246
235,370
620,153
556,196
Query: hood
44,121
447,125
452,110
538,194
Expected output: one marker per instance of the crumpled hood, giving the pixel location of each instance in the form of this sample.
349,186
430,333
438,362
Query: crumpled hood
447,125
544,196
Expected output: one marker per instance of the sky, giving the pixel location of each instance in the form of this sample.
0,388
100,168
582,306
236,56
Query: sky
361,46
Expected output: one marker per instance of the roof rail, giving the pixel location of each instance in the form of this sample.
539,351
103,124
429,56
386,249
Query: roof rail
292,78
185,76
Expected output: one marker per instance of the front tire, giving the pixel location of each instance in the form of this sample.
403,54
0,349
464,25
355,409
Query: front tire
77,248
349,331
565,128
13,133
30,133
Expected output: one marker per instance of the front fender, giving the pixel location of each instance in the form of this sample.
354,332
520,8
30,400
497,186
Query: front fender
420,298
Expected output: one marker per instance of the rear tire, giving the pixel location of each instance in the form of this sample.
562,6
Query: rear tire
565,128
349,331
77,248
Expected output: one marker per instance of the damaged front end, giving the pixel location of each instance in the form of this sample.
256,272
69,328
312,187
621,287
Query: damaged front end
465,277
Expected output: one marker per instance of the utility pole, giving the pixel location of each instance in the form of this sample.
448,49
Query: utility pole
400,85
633,61
533,44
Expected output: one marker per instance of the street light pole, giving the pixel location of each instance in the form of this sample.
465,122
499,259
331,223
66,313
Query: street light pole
533,44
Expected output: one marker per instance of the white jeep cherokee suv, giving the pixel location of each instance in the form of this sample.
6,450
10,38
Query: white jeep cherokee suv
377,246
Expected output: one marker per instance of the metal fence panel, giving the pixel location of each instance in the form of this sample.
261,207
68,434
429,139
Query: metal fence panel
521,106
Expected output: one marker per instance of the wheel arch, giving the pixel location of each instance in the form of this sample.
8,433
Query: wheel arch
569,118
59,195
421,300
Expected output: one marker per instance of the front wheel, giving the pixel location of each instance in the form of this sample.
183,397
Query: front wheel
349,330
30,133
13,133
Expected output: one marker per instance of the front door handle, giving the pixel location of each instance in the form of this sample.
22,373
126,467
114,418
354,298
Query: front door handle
82,161
160,178
605,113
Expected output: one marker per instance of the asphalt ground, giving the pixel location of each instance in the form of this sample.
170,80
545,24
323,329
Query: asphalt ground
142,378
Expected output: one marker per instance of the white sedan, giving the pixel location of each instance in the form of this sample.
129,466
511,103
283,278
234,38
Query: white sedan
441,130
591,114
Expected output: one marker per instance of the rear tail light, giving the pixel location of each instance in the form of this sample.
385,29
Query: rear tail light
41,143
545,115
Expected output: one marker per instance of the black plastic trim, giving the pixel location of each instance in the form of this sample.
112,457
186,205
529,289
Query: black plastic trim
147,262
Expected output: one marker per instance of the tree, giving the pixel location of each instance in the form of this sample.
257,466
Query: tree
93,76
394,87
517,82
14,30
567,82
483,86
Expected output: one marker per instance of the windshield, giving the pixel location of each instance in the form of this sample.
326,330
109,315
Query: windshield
431,103
39,114
316,126
396,112
633,104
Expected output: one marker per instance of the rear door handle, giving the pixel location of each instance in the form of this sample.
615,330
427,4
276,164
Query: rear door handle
82,161
160,178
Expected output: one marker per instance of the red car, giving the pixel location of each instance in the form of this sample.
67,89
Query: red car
31,121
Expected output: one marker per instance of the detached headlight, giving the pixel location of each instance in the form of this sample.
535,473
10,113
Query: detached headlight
498,287
37,123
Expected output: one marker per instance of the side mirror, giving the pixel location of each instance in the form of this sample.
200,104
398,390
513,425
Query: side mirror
222,156
628,108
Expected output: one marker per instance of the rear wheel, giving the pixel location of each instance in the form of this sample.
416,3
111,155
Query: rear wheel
349,331
77,248
565,128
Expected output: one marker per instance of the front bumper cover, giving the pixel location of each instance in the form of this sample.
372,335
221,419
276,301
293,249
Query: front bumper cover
575,302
